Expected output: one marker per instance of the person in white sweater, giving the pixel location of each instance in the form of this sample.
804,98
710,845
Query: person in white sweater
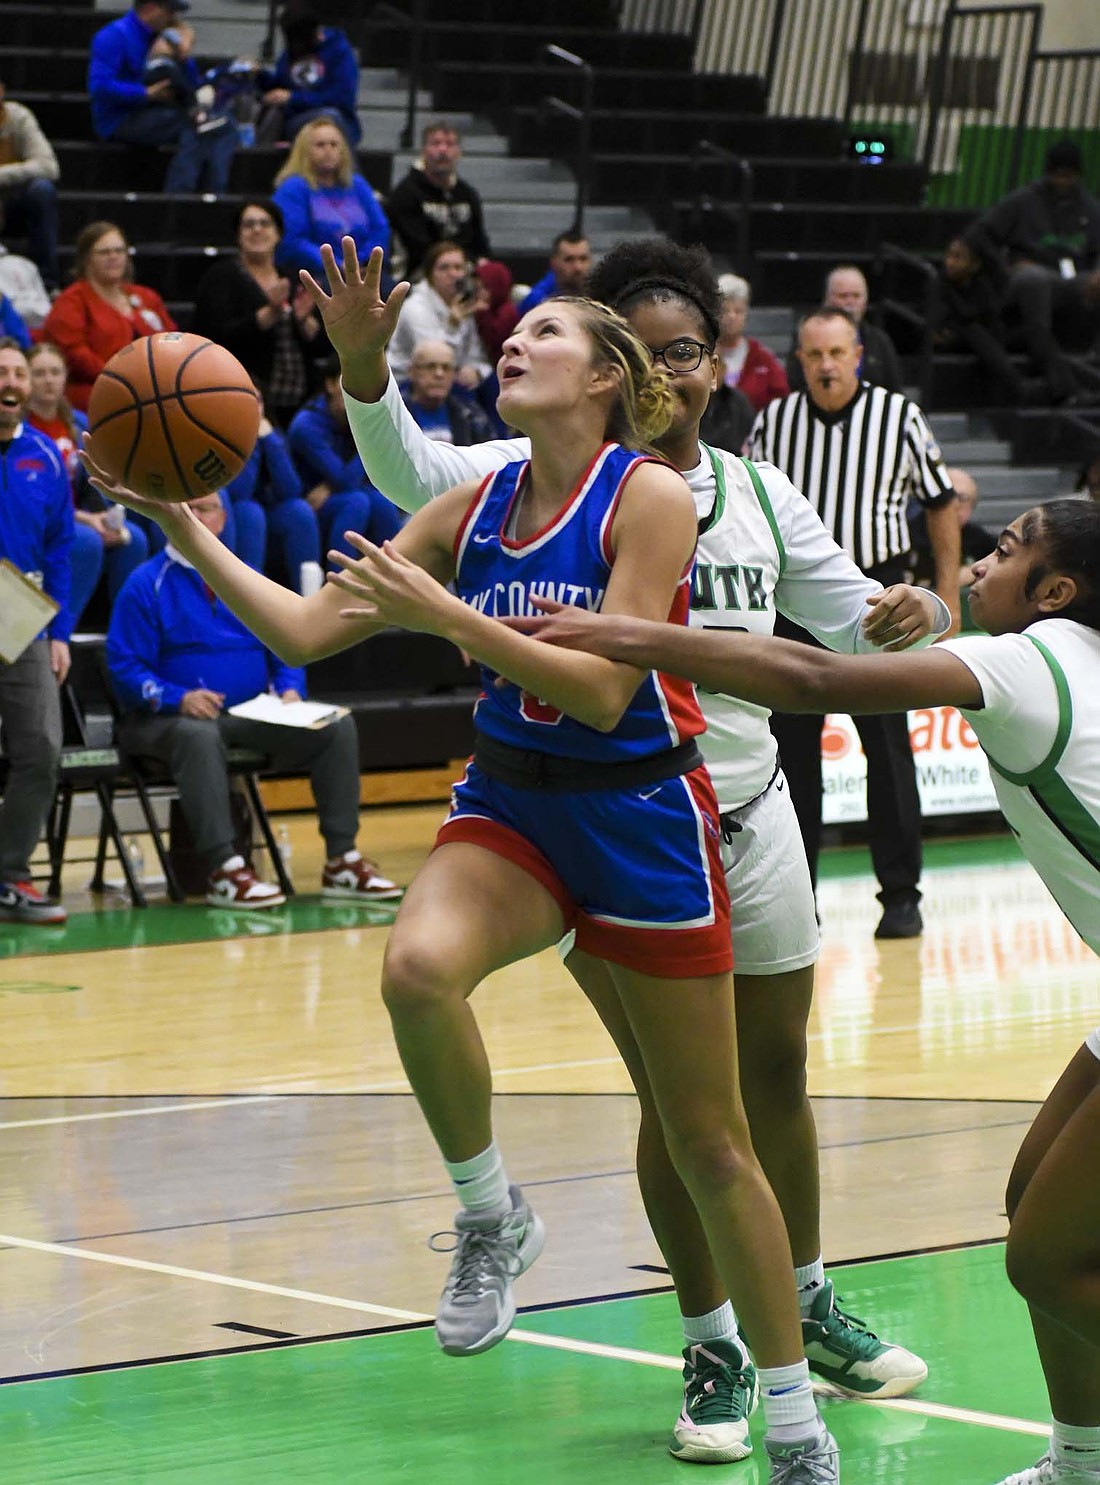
441,307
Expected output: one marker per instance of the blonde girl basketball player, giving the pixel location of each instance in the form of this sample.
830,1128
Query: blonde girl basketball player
585,807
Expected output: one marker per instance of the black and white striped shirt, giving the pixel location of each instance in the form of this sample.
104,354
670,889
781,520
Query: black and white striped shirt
857,468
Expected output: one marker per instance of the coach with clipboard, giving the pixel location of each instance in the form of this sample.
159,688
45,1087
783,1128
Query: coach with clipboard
36,533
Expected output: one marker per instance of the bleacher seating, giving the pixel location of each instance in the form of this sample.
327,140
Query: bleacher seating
811,207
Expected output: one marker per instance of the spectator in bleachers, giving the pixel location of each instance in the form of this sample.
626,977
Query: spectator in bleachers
103,310
846,289
316,75
265,319
976,541
746,363
274,528
36,526
178,659
967,316
22,284
11,323
442,306
337,487
500,316
130,106
323,198
751,376
1047,235
28,193
443,413
103,536
570,261
434,204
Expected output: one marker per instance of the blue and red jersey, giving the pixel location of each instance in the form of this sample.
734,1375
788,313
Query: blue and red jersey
570,560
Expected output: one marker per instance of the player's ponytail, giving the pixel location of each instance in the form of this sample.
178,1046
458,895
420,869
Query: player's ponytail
643,408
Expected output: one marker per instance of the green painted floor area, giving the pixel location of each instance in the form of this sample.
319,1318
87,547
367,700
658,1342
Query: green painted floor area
117,927
114,927
391,1409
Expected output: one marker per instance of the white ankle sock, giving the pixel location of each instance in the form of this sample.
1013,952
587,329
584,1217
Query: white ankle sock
232,863
715,1325
481,1184
1073,1444
808,1280
787,1398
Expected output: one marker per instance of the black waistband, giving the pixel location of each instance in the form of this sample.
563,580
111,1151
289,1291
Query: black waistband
524,769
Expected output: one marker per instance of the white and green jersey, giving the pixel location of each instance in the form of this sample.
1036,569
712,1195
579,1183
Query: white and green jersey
762,547
1039,726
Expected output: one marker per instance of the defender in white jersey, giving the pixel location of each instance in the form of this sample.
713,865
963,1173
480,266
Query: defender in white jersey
761,548
1031,692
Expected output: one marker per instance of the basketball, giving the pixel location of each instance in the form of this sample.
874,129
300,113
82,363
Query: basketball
173,416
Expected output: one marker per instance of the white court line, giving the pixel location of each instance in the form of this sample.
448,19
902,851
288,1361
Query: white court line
527,1337
168,1108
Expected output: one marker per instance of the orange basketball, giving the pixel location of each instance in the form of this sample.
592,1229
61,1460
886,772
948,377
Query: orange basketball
173,416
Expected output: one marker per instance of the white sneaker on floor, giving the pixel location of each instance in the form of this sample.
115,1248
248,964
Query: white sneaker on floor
353,876
240,887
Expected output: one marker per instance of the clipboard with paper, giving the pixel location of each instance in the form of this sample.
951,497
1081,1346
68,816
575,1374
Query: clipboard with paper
24,611
311,715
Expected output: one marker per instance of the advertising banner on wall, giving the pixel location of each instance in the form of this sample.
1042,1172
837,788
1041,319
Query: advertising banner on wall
952,774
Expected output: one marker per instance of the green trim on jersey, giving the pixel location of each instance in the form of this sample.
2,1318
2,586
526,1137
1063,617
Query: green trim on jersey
719,505
1045,770
766,507
1051,792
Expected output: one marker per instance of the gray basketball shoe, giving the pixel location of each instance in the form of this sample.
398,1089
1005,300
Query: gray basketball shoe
477,1307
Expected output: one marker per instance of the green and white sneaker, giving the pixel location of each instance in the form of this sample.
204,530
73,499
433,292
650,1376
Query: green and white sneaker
477,1308
1049,1471
850,1359
720,1393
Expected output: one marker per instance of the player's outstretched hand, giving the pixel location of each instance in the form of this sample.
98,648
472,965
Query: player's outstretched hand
358,320
390,589
169,516
569,626
900,616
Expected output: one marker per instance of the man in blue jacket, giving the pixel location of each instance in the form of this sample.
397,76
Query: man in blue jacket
36,533
178,660
135,108
316,74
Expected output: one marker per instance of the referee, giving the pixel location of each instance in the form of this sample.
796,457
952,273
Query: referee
859,453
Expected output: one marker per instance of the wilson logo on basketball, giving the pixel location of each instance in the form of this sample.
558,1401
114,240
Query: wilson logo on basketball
835,742
210,469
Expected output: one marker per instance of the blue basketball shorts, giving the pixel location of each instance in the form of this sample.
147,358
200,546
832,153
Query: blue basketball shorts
637,872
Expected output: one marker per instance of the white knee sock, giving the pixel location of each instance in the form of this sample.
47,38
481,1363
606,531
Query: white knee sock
481,1184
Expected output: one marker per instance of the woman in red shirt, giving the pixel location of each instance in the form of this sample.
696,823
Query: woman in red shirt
103,310
746,364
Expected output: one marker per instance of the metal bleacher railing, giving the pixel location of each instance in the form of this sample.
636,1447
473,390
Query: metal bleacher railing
962,90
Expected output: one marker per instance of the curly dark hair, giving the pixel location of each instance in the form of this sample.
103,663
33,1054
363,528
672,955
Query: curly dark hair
656,270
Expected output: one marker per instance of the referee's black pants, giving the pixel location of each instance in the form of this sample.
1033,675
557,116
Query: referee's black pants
893,804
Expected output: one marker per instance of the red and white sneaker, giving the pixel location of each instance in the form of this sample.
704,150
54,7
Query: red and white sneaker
239,887
21,902
354,876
